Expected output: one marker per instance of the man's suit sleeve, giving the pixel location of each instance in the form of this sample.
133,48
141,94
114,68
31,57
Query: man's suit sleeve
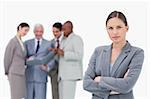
40,61
52,64
44,60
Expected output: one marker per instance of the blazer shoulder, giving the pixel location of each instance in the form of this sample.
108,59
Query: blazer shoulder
28,41
46,41
101,48
12,41
52,43
98,50
52,40
77,37
137,49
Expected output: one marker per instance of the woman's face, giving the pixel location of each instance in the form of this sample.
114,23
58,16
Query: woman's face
23,31
56,32
116,29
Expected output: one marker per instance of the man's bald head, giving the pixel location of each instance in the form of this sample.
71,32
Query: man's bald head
67,28
69,24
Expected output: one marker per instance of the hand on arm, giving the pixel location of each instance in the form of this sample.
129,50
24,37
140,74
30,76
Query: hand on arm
126,74
98,79
30,58
60,52
53,49
90,82
44,67
125,84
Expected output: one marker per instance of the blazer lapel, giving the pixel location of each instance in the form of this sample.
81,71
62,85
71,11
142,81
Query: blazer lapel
32,46
20,48
25,51
66,41
105,61
120,58
41,46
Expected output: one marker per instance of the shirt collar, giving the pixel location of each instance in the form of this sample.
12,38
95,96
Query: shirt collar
38,40
18,37
60,38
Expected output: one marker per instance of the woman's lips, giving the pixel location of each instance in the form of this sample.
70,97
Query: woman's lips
115,37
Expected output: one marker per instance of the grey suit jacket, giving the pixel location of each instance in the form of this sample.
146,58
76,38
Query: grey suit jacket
14,59
34,72
49,59
131,58
70,65
53,64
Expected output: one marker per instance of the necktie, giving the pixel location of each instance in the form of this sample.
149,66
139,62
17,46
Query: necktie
57,43
38,46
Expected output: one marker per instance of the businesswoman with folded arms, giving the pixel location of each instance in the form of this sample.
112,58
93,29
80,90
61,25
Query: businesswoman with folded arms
14,63
114,69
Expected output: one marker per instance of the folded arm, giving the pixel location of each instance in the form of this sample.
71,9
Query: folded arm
125,85
88,83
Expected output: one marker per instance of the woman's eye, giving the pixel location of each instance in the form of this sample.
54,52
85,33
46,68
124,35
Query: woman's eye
119,27
110,28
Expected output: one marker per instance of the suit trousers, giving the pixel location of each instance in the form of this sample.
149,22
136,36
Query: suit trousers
36,90
67,89
54,83
17,86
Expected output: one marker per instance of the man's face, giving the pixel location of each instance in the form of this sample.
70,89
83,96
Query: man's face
38,32
56,32
67,29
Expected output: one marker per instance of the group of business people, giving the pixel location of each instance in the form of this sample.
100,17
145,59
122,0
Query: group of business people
27,64
111,74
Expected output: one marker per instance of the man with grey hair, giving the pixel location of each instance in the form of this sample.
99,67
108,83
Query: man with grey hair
36,75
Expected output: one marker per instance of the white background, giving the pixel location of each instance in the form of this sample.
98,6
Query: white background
89,22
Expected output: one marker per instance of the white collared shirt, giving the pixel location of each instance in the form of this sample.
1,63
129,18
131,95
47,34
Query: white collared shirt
35,41
60,39
21,43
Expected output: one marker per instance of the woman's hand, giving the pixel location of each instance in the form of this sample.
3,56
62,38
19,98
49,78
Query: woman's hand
126,74
97,79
